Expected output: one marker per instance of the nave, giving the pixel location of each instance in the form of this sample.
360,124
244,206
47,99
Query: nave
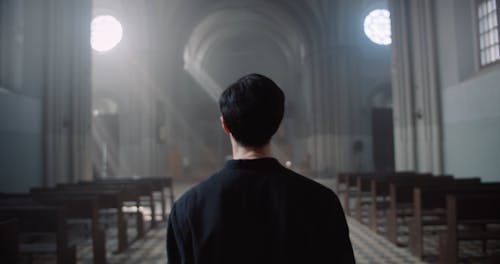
115,90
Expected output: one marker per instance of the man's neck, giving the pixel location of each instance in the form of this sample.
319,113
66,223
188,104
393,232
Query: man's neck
241,152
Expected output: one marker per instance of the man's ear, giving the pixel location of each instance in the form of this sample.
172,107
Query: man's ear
223,124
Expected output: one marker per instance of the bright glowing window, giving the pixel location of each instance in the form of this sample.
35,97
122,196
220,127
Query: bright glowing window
489,48
106,33
377,26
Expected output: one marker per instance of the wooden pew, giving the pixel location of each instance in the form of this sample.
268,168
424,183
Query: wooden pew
159,185
380,195
430,208
349,187
135,191
165,183
128,194
43,219
352,190
149,186
107,199
340,186
9,243
79,206
363,195
464,213
401,199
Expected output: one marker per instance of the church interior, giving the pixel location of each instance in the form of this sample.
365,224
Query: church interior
109,112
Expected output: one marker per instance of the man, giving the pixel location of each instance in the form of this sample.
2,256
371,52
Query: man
255,210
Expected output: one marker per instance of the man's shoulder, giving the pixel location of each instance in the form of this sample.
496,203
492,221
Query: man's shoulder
195,194
309,185
219,181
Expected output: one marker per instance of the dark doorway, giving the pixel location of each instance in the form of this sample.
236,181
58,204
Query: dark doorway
383,139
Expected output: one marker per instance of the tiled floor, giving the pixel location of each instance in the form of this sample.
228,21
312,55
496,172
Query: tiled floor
372,248
151,249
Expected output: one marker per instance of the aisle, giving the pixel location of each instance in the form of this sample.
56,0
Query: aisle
372,248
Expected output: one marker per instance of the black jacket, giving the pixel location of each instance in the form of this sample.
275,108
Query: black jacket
257,211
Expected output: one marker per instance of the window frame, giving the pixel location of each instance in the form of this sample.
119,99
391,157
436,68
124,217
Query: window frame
478,33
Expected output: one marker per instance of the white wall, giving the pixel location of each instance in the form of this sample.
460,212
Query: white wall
21,99
43,74
470,96
20,142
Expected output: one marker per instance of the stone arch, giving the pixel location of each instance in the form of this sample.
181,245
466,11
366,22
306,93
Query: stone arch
276,25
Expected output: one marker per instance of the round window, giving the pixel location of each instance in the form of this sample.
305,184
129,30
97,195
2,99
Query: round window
106,33
378,26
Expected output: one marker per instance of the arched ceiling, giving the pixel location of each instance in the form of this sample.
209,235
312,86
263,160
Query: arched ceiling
265,18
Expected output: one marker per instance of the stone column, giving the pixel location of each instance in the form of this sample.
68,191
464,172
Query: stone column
417,104
67,105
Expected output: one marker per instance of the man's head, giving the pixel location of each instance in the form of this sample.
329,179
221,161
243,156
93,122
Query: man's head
252,109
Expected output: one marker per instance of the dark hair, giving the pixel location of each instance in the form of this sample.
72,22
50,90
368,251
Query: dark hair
252,109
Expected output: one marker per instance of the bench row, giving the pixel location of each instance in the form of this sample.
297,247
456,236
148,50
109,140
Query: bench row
400,205
51,210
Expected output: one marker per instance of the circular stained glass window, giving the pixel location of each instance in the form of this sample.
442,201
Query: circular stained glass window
378,26
105,33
